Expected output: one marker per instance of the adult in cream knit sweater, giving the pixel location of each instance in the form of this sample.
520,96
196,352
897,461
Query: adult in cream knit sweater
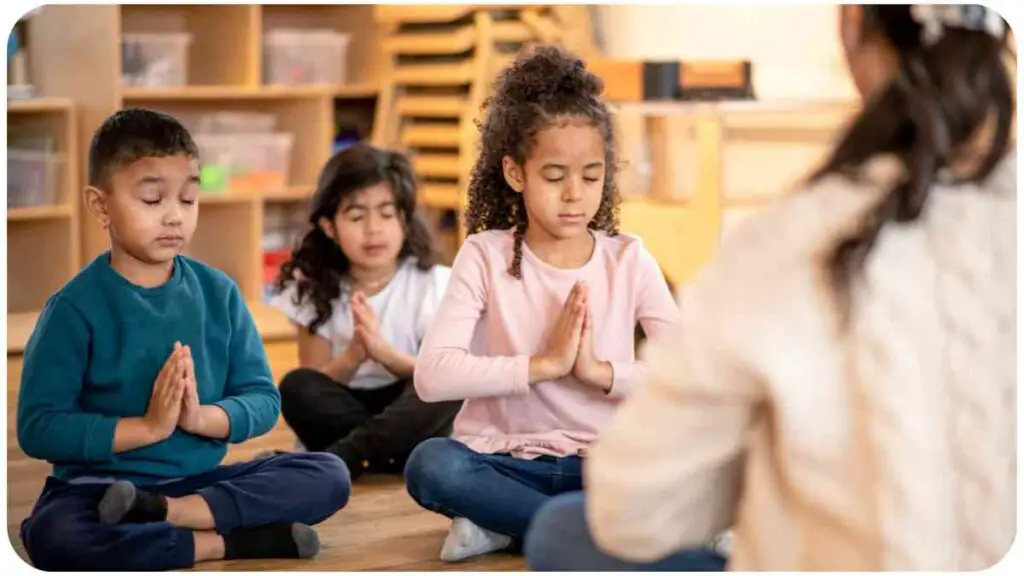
841,392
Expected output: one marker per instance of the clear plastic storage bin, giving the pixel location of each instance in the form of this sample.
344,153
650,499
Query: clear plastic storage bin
236,123
33,178
152,59
250,162
293,57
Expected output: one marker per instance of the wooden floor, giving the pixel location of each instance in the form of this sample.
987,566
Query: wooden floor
381,529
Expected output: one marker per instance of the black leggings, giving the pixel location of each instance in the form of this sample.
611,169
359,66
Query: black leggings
369,429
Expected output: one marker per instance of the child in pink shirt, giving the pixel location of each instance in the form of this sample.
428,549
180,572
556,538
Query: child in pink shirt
535,331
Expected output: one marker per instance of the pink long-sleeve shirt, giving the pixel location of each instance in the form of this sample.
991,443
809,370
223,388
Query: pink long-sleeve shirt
488,325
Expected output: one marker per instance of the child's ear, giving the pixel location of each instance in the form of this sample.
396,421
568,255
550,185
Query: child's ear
96,203
328,227
513,174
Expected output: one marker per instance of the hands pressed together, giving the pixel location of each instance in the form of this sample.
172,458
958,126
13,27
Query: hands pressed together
369,344
175,399
570,346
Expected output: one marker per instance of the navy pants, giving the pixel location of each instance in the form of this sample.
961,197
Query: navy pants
560,541
494,491
64,532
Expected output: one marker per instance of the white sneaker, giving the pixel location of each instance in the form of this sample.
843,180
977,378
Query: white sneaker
722,544
466,540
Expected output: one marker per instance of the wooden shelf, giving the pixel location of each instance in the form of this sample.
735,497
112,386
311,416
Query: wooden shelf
271,322
458,74
359,90
422,13
40,105
39,213
431,135
180,93
437,165
290,194
443,196
186,93
431,106
228,198
445,42
19,329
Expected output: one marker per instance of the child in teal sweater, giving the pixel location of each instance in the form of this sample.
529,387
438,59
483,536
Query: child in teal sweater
140,372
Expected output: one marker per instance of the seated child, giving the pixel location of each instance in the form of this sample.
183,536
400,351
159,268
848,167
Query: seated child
362,287
536,330
140,372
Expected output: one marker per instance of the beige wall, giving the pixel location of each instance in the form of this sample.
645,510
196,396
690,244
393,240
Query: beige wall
795,48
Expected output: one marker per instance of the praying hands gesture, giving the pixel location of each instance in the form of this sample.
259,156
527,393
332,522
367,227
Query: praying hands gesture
165,403
190,419
210,421
164,410
570,346
367,336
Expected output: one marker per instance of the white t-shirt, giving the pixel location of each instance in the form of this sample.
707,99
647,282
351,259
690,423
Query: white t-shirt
404,308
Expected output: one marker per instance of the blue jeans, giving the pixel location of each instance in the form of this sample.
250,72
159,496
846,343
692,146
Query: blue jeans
64,532
560,541
494,491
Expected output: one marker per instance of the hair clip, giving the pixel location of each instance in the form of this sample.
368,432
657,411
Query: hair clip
936,18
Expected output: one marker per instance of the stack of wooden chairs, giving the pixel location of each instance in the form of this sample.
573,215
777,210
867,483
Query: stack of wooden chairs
439,66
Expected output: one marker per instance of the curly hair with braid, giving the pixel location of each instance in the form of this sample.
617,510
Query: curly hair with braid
544,85
318,266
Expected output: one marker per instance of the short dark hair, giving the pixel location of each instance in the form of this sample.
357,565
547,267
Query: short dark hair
317,265
132,134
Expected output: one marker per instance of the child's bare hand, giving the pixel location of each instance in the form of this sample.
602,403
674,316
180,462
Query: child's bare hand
165,403
586,363
189,420
563,343
366,328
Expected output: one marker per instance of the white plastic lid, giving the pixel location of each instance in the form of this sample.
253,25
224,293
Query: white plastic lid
179,37
306,36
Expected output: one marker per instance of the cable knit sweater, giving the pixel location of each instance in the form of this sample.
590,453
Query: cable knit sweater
888,444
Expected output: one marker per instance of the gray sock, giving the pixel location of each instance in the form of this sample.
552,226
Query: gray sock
117,501
124,503
307,542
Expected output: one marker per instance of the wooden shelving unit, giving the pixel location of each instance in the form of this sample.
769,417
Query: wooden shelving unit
711,166
43,241
75,65
439,64
77,56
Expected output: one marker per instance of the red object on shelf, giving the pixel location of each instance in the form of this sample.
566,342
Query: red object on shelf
272,261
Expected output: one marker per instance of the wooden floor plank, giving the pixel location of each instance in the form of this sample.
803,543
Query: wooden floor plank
381,529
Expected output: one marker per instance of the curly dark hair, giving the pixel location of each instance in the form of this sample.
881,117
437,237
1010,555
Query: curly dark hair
317,265
543,84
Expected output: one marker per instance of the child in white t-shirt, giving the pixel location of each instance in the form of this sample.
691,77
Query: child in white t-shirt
362,287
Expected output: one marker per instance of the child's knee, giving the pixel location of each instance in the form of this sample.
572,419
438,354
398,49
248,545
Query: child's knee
55,543
435,467
336,476
294,386
559,525
332,476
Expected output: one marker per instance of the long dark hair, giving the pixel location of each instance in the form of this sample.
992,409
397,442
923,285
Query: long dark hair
941,96
541,85
317,265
